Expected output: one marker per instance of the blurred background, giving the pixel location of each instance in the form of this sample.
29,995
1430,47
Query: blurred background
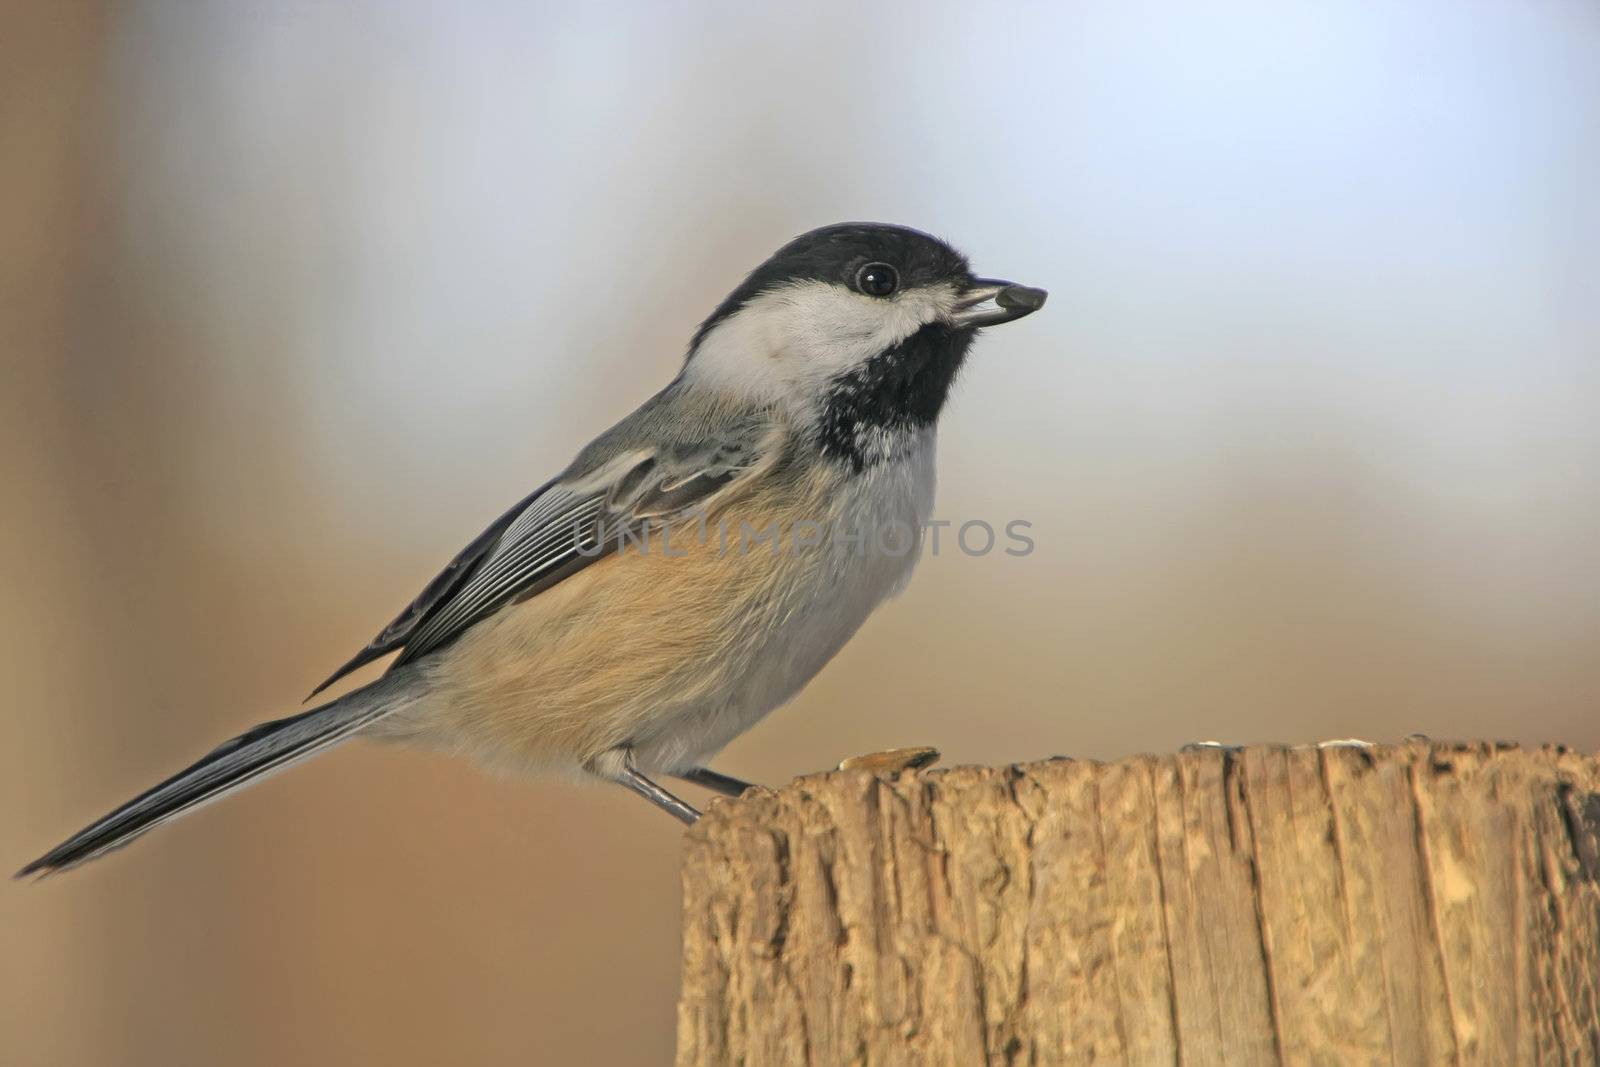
295,297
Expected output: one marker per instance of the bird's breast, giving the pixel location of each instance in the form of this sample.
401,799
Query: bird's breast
856,541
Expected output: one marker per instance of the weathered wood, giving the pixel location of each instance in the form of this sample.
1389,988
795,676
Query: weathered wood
1415,904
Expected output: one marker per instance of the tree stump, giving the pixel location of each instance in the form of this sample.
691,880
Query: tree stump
1414,904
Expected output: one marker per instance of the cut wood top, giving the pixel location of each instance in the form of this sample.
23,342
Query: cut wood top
1419,903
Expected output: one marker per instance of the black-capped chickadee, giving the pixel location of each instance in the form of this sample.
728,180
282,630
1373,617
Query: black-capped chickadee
694,567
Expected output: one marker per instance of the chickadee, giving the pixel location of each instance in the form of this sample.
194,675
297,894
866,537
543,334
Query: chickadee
564,640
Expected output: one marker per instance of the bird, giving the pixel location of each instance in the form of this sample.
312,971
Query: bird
692,569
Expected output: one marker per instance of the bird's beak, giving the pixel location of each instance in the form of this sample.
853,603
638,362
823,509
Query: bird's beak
988,302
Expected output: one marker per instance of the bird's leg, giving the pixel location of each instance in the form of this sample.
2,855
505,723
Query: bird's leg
658,796
616,765
715,781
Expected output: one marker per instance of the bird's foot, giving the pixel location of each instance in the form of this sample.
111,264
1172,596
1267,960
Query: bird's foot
717,782
1210,746
894,761
1345,742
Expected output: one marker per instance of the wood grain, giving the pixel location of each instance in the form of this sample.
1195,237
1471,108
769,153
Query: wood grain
1414,904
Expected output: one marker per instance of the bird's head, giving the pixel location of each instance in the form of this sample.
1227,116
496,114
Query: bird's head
864,322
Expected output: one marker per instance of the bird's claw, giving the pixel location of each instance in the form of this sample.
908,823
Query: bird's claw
1210,746
894,761
1345,742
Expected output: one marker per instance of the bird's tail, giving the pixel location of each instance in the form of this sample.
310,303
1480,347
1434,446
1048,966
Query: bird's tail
232,765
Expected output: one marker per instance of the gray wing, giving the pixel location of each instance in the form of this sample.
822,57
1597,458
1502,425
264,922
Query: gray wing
434,593
568,524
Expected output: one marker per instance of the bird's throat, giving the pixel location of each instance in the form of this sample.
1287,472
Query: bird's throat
900,389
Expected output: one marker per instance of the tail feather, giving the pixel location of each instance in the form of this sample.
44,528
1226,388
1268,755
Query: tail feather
251,756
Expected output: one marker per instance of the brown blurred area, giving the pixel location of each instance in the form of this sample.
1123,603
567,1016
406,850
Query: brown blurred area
293,300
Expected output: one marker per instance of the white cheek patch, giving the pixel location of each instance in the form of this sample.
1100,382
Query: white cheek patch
788,341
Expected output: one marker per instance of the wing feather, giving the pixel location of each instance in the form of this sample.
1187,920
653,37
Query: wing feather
564,526
458,570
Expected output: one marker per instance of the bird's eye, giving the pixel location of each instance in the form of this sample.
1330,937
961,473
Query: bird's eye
877,279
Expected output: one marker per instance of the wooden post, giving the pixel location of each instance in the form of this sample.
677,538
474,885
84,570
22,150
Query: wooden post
1416,904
